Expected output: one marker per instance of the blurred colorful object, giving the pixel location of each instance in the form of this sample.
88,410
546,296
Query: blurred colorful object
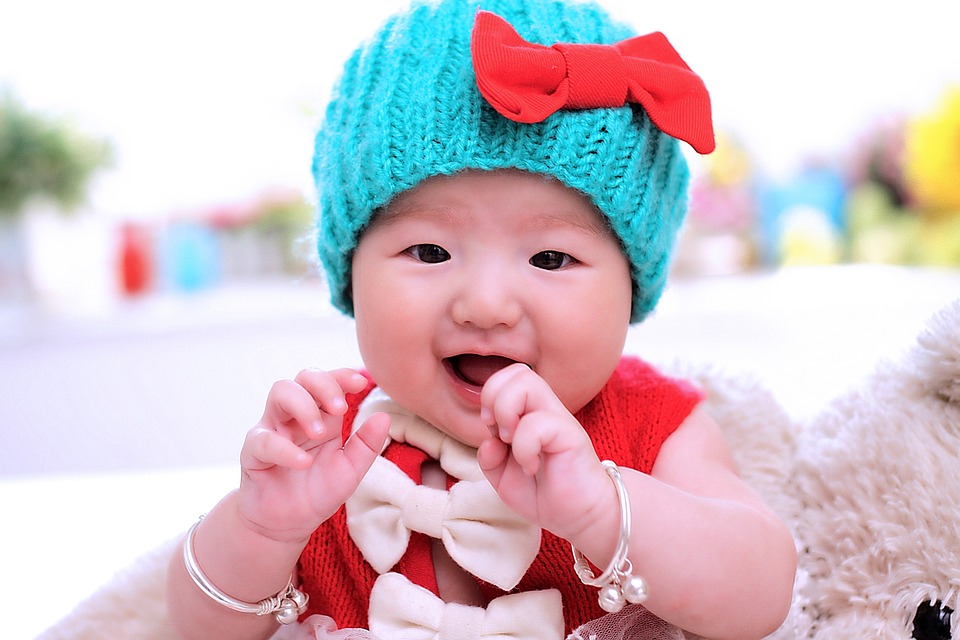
880,230
895,198
802,219
191,256
719,236
135,259
808,237
910,216
721,198
44,159
877,157
932,162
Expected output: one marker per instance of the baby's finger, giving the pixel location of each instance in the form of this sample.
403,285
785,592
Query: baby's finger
531,439
513,403
503,400
366,443
491,455
350,380
289,404
328,388
499,381
265,448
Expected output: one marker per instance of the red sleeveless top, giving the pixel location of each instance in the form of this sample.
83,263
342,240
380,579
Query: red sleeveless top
627,421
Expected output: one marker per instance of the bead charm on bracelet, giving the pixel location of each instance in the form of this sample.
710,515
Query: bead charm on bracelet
287,606
617,584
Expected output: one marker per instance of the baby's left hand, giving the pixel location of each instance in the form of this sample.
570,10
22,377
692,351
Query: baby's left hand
539,458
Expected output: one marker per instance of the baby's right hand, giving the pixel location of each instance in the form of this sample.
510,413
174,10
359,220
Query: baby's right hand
296,470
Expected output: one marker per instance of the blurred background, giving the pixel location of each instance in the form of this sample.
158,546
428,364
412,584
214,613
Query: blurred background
167,147
156,266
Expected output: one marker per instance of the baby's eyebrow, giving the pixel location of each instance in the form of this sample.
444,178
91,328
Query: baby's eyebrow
396,211
596,226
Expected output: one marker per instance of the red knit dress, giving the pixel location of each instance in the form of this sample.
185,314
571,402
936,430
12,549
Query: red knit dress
628,421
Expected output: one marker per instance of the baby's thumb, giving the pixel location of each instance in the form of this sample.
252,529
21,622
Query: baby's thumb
365,444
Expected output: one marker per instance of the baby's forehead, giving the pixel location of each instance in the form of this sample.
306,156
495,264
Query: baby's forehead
540,200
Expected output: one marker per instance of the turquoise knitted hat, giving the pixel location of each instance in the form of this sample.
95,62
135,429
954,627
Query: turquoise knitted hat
407,107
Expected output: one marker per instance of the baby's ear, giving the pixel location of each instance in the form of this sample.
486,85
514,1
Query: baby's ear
936,355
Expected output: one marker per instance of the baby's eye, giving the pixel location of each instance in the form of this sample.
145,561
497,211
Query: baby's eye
551,260
429,253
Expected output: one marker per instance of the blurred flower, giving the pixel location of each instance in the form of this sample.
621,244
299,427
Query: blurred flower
932,163
721,196
808,237
817,187
880,230
719,236
877,157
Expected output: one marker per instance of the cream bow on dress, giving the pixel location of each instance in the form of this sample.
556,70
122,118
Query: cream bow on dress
401,610
479,532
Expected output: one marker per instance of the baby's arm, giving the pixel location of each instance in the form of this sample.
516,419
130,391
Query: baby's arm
716,559
723,563
295,473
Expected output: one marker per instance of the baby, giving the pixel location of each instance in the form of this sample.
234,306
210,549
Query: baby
500,185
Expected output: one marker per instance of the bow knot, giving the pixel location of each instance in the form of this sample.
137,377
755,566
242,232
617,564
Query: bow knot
527,82
479,532
596,75
401,610
424,509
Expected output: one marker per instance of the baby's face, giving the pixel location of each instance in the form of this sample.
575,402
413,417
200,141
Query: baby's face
467,274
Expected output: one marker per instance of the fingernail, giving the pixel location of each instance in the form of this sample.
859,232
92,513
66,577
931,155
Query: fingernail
317,428
357,381
486,416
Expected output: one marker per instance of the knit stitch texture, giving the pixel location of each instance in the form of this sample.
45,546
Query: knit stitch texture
407,108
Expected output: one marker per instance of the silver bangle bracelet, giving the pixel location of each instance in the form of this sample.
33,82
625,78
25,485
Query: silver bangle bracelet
617,585
287,606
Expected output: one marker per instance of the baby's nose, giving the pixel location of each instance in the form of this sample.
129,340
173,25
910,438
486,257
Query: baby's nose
487,300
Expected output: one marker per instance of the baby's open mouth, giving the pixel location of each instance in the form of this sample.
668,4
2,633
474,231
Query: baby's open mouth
476,369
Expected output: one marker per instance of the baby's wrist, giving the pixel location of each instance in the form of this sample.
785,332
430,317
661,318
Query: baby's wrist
287,605
237,558
257,527
595,531
618,586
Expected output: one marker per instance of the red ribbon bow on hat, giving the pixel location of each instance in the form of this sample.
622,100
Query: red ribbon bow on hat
527,82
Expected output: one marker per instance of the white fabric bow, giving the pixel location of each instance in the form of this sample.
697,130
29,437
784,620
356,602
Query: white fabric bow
479,532
401,610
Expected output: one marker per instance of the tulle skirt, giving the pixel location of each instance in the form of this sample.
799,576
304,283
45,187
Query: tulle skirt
632,623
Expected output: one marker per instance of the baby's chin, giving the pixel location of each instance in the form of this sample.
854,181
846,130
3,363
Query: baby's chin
473,436
467,429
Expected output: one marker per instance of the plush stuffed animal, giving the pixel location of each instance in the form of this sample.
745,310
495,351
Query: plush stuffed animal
876,477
